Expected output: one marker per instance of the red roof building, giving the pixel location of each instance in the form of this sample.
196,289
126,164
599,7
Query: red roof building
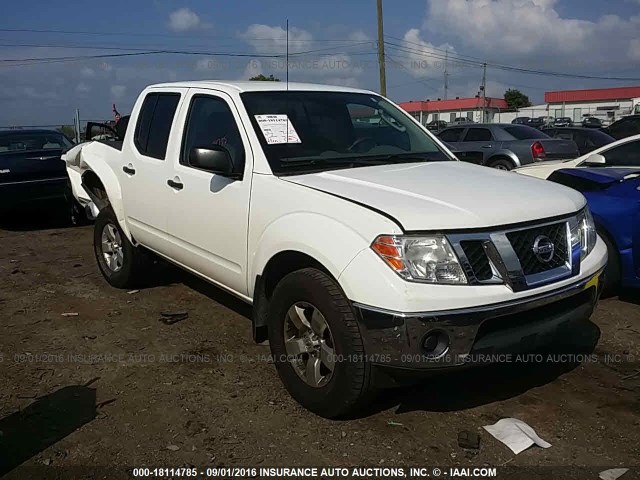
592,95
426,111
453,105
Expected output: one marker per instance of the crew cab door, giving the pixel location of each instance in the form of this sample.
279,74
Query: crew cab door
146,164
208,213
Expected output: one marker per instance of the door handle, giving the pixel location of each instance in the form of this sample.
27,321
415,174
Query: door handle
175,185
129,170
487,146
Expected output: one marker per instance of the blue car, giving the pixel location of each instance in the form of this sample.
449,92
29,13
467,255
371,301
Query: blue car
613,195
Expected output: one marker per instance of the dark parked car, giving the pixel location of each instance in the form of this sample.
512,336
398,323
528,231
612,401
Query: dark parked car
505,146
592,122
31,170
562,122
587,139
521,120
625,127
462,120
538,122
436,125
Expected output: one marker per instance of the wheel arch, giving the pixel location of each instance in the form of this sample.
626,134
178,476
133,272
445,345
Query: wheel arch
277,267
504,155
102,186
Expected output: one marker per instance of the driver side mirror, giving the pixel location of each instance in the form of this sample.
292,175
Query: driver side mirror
214,159
595,159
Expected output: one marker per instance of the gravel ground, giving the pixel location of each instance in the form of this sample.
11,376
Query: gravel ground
91,376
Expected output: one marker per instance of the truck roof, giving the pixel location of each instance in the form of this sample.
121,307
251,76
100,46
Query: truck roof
259,86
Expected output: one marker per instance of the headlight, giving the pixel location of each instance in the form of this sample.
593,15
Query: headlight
423,259
584,233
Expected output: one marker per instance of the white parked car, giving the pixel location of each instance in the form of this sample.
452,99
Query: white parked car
366,249
623,153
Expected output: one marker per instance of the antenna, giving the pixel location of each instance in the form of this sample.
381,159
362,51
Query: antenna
287,54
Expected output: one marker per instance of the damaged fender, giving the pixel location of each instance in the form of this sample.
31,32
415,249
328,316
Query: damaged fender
94,157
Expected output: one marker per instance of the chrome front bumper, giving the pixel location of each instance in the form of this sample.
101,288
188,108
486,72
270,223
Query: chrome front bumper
393,339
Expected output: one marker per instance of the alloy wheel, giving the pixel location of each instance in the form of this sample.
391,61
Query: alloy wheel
111,246
309,344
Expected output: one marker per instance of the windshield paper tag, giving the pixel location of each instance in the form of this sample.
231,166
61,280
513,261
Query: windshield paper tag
277,129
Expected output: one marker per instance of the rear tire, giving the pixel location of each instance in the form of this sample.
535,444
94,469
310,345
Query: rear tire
309,316
121,263
612,273
502,164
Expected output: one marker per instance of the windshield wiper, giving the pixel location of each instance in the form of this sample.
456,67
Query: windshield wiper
412,157
333,161
360,160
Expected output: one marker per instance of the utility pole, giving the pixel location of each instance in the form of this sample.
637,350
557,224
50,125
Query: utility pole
381,63
446,73
484,91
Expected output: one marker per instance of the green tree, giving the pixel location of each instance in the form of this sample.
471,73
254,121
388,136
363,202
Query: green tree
516,99
263,78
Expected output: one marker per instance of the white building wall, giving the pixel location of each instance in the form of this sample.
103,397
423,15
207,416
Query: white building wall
607,110
449,115
576,111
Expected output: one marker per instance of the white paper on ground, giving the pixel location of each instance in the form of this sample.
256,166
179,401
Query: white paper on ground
277,129
612,473
515,434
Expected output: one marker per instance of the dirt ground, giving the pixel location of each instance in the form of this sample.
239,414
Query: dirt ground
89,375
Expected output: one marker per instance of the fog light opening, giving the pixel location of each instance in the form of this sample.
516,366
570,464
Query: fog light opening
435,343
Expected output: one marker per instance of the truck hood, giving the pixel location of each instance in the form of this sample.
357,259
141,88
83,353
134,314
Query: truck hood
446,195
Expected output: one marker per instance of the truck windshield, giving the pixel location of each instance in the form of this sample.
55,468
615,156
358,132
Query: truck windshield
304,131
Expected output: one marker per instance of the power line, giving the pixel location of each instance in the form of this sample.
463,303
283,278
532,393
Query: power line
400,64
437,49
516,69
435,55
164,35
147,48
41,60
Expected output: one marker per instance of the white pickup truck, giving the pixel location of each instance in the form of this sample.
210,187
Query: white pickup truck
366,249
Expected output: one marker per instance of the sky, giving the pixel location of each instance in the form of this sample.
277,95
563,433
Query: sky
58,56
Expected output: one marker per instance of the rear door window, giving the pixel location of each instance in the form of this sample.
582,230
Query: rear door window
154,124
451,134
478,135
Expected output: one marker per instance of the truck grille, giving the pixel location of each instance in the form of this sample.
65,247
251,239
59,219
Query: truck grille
521,258
523,242
478,260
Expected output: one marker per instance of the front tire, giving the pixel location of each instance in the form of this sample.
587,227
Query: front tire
121,263
317,346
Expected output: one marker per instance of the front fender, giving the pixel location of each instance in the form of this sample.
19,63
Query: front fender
325,239
97,158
